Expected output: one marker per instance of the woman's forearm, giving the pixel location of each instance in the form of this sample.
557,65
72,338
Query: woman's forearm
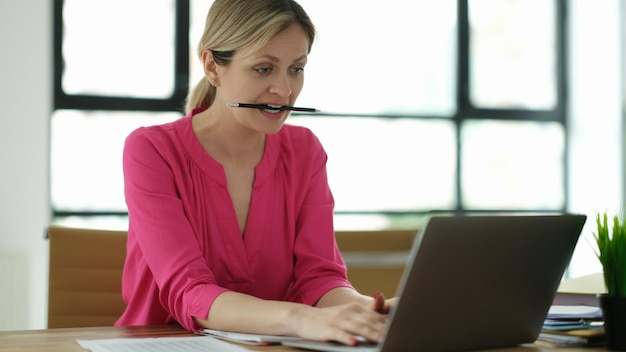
232,311
339,315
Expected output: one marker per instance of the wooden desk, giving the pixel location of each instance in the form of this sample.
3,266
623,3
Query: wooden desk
64,340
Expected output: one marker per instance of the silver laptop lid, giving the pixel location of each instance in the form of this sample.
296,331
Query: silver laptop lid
479,282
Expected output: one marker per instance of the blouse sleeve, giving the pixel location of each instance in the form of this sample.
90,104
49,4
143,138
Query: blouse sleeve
319,264
161,231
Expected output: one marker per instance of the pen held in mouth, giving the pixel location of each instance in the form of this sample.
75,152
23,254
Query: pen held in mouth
265,106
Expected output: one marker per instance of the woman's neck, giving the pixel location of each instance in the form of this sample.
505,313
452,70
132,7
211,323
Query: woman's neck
226,140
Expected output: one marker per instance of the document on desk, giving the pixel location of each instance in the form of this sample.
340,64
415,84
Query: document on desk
169,344
574,312
250,339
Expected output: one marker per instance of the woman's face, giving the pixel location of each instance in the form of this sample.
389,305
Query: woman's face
272,75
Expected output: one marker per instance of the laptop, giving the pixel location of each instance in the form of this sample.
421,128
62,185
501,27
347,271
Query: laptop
475,282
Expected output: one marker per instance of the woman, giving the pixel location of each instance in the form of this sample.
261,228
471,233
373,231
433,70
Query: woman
230,211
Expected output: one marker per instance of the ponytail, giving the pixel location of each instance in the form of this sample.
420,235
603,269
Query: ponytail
201,96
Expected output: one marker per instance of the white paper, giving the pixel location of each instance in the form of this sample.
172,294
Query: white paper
574,312
158,344
254,339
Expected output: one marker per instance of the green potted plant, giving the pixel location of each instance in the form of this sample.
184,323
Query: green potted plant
610,239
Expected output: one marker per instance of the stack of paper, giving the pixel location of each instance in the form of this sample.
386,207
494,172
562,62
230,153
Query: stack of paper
249,339
568,325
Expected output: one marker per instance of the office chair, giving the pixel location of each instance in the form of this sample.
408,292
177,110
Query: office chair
85,277
86,270
375,259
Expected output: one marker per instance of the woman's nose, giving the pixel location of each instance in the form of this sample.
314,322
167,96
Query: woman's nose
282,86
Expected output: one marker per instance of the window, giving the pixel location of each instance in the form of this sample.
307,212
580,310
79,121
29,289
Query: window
109,80
453,105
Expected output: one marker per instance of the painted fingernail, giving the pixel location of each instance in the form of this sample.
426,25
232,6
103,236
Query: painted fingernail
354,341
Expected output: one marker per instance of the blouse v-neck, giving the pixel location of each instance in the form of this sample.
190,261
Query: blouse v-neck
212,167
243,244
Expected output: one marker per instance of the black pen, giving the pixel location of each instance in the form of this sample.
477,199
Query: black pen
266,106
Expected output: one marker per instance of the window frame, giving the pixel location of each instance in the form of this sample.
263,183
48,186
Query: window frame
465,109
175,102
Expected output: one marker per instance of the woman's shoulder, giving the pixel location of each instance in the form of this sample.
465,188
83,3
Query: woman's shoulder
166,128
164,134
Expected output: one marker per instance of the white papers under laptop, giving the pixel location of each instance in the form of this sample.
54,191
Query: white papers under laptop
476,282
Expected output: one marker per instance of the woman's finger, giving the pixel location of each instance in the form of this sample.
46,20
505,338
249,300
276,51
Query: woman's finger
379,303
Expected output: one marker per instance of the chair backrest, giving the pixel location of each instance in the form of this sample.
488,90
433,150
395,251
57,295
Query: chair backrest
375,259
86,270
85,277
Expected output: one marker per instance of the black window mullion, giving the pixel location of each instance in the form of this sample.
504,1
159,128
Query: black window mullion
109,103
562,92
511,114
59,64
462,89
181,59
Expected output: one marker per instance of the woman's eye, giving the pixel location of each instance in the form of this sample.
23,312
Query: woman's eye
263,70
297,70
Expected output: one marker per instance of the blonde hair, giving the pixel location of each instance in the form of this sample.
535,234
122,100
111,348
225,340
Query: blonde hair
234,24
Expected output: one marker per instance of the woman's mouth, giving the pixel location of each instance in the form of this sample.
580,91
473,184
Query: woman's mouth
273,112
273,109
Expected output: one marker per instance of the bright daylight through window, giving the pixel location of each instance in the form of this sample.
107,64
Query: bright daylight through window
426,105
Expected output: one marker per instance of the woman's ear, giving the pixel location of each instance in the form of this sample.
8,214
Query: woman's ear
210,67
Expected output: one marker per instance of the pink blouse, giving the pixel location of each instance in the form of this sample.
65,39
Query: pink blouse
184,243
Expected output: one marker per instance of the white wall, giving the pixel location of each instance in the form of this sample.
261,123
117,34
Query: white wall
25,105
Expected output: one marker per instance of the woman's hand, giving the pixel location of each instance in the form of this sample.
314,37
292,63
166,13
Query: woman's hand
341,323
341,315
382,305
